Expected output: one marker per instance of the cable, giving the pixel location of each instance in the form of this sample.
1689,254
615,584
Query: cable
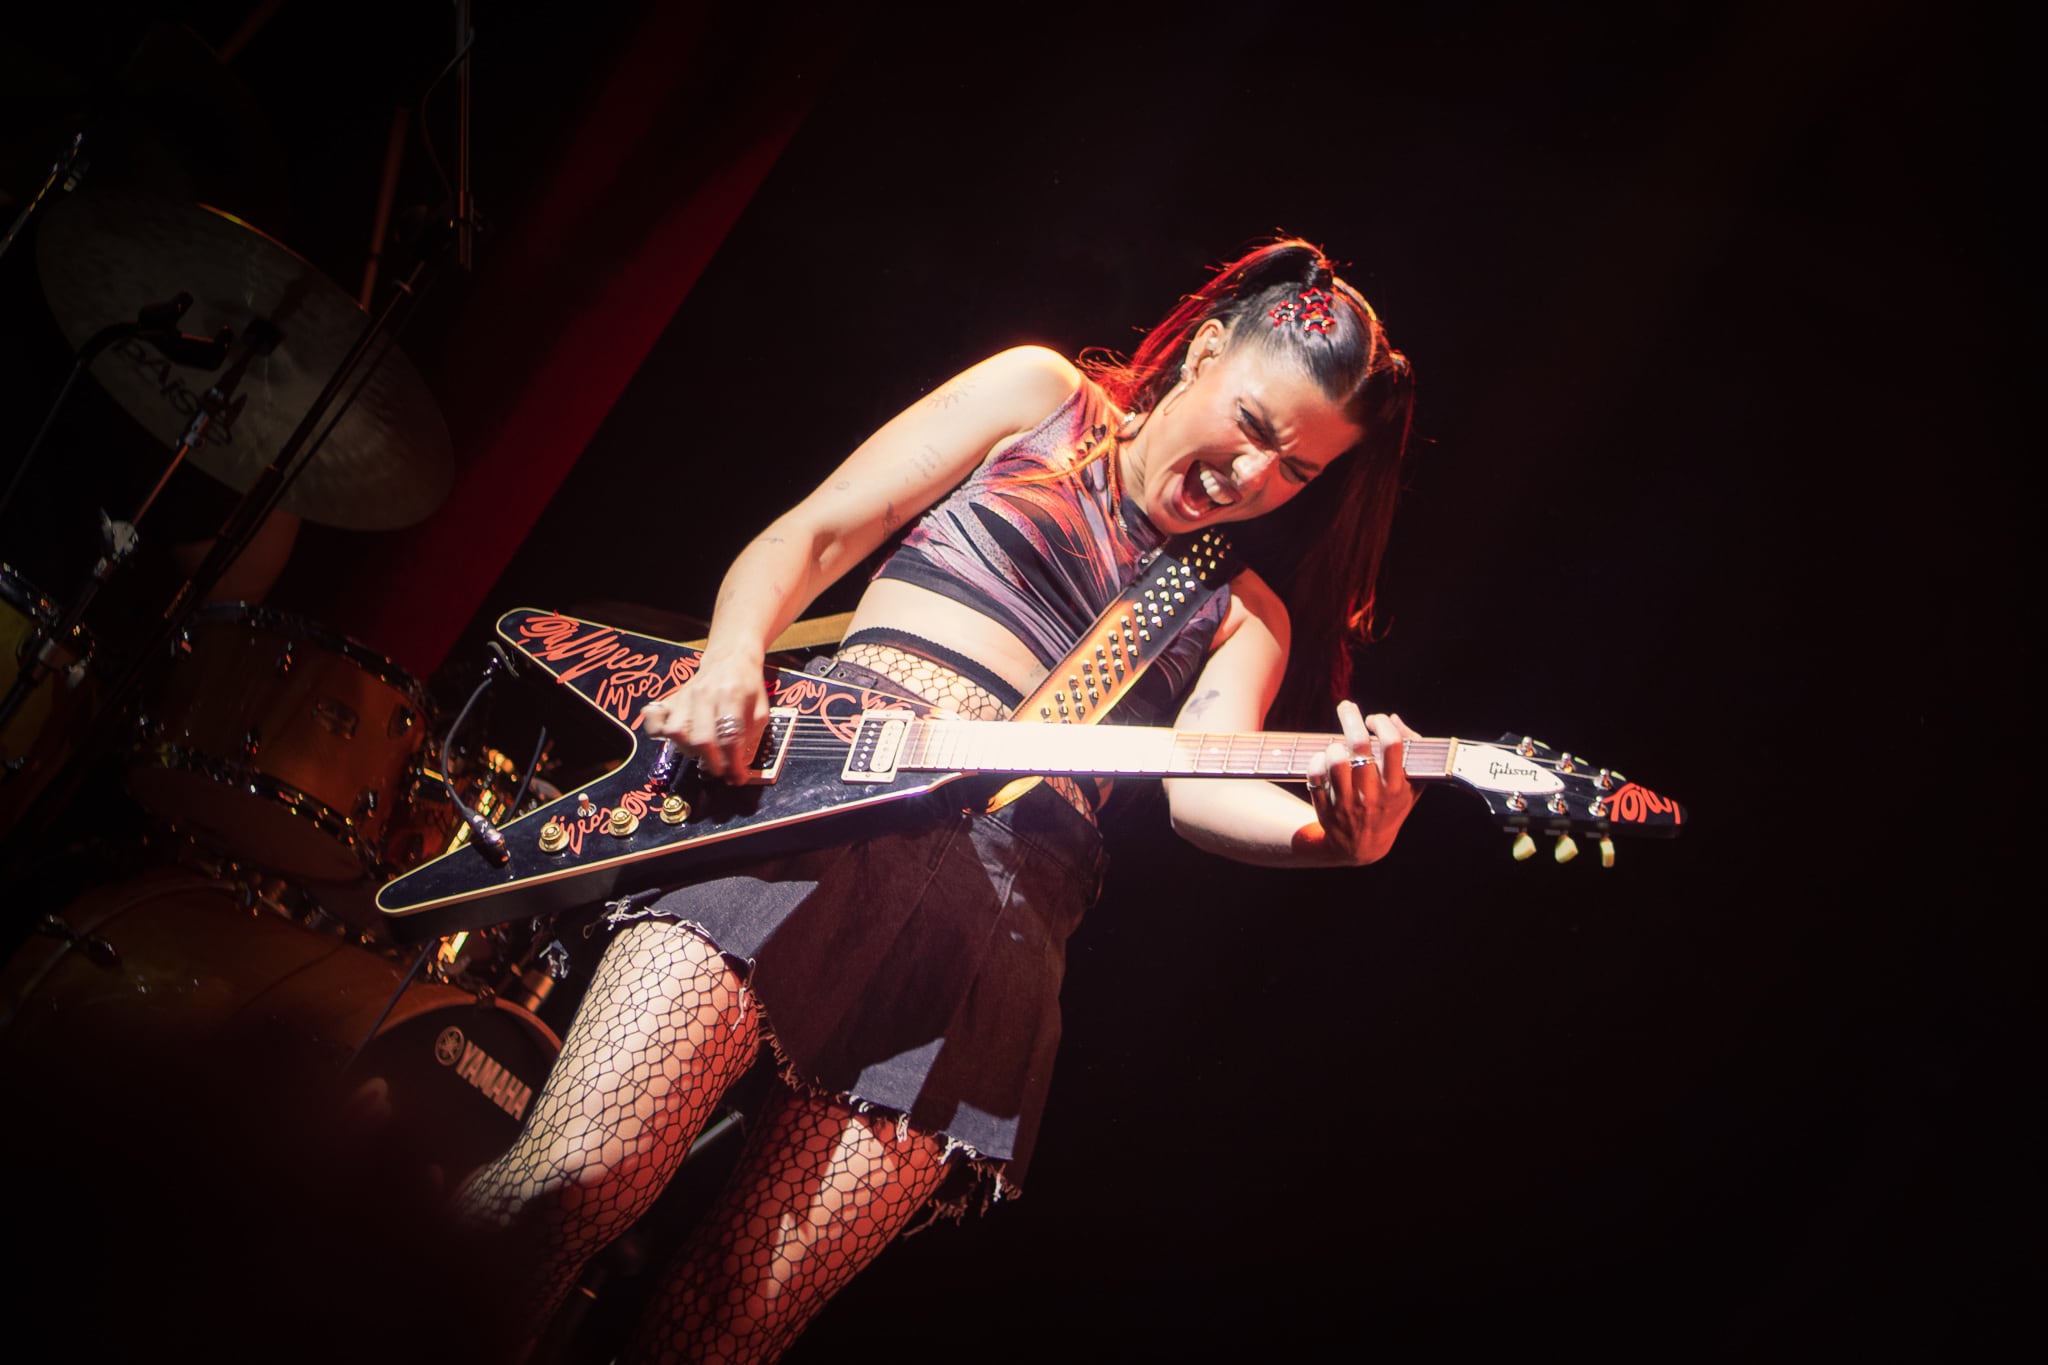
532,766
485,835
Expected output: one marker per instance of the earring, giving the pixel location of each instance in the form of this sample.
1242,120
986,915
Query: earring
1185,376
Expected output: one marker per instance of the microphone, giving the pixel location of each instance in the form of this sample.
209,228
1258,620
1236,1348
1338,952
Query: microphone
157,324
193,352
163,317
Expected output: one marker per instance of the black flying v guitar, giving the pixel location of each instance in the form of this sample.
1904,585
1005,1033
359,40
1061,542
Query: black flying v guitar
832,750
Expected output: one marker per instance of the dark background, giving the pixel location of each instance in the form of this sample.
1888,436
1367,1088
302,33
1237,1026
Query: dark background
1713,312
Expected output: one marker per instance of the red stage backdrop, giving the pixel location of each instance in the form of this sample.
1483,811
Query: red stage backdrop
567,303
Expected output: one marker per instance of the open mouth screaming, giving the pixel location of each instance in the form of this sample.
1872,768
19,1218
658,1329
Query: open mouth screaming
1202,490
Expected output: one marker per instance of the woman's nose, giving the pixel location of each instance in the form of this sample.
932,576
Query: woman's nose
1249,470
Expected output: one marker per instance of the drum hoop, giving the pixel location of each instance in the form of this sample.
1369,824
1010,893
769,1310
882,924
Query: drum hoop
261,785
379,666
404,1011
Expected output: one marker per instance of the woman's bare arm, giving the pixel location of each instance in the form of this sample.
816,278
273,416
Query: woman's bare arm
906,466
1356,815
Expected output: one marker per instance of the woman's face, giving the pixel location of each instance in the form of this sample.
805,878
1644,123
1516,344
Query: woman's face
1245,433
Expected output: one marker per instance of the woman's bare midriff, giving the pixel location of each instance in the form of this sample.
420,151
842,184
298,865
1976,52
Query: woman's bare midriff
895,605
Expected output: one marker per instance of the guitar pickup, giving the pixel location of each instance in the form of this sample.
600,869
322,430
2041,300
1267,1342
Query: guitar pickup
877,747
766,764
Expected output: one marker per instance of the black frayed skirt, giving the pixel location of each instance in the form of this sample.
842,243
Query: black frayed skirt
917,971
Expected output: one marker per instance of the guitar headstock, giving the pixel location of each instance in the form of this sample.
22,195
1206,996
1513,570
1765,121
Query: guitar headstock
1534,790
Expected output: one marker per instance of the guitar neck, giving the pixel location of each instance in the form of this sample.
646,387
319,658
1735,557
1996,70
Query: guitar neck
1132,751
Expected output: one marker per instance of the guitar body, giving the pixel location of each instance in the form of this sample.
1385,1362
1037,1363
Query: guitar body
616,673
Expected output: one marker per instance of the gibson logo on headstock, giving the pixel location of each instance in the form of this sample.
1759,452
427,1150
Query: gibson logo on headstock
1493,769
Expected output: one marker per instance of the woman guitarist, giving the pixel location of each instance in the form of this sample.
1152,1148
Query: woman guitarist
909,983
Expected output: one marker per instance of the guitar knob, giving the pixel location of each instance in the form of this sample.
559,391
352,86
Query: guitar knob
1524,848
622,823
553,838
1566,850
1606,851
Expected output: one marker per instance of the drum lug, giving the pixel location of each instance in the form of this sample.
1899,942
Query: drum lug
284,660
401,722
252,740
366,802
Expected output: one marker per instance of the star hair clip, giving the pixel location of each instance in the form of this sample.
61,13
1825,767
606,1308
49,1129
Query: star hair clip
1311,308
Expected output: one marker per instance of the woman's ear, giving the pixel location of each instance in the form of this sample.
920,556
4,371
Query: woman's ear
1204,346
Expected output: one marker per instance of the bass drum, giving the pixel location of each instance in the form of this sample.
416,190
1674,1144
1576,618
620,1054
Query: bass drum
281,743
170,975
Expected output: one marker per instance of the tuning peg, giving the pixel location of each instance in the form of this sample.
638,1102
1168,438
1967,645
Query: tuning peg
1566,849
1606,851
1524,847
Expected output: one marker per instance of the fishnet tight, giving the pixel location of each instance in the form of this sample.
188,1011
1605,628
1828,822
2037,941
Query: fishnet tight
664,1028
819,1193
944,688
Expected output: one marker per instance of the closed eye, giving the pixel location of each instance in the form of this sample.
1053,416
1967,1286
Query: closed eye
1261,433
1293,470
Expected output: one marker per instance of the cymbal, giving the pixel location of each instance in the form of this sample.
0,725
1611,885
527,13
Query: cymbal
102,254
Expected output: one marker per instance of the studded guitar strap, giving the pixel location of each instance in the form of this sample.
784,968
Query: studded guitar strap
1171,586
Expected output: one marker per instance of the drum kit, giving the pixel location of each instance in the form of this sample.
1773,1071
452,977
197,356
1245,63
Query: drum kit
280,770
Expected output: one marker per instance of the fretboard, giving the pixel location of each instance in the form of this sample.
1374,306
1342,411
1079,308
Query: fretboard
1132,751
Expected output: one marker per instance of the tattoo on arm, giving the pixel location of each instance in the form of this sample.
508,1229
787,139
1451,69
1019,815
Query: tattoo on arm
1199,704
946,398
890,520
768,540
927,460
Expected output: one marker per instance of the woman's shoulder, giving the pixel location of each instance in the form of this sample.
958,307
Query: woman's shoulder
1030,381
1045,396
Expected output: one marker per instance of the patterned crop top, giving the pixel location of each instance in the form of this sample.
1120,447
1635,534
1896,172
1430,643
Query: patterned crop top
1038,539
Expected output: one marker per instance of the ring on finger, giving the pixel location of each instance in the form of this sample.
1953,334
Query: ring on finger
1315,783
1361,760
728,728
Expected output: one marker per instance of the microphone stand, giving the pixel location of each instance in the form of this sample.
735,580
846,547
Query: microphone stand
60,643
68,169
